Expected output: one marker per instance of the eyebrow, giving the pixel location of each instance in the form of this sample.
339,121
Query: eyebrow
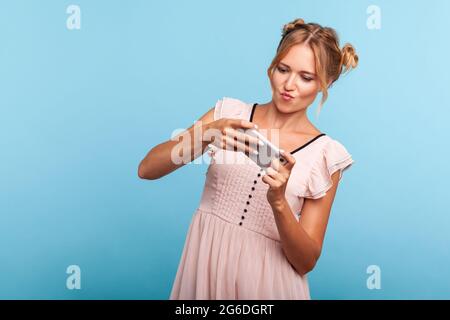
304,71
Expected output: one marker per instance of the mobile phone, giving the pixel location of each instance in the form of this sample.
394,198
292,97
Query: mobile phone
266,153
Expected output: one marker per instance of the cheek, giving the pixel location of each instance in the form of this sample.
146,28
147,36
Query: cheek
277,79
308,89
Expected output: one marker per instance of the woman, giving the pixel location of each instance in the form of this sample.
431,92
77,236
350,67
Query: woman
257,233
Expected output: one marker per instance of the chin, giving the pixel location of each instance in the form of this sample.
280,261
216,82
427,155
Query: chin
283,106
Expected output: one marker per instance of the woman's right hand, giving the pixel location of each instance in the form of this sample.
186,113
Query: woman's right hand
229,134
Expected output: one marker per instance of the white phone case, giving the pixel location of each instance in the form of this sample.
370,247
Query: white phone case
266,153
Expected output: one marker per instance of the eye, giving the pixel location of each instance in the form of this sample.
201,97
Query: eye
281,70
307,79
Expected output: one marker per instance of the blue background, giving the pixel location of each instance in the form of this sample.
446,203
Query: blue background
81,108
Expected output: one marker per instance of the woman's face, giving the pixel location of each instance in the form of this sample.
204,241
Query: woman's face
295,76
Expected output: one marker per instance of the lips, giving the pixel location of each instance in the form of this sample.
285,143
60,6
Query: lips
286,95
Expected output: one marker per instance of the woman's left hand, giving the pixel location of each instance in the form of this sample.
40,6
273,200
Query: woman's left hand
277,177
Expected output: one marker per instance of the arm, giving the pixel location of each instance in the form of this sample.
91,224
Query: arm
158,161
302,241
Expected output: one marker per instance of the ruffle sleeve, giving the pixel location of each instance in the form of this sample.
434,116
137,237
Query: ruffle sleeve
229,108
334,157
218,109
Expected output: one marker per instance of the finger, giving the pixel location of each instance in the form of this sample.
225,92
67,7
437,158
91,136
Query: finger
241,123
274,174
245,138
217,141
269,180
281,178
229,139
289,158
229,143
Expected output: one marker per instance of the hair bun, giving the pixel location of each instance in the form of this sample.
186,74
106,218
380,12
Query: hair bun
349,58
292,25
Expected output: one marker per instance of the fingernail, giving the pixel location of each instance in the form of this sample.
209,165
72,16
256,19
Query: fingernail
263,172
256,126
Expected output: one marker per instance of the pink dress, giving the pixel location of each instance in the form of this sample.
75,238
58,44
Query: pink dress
232,248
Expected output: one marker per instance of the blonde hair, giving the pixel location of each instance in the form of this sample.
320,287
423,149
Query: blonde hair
331,61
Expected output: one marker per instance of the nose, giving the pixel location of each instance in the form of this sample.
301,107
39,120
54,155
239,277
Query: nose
289,85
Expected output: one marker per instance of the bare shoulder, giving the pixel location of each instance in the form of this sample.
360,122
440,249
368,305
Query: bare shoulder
313,130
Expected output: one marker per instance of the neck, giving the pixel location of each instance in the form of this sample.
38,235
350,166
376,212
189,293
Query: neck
296,121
